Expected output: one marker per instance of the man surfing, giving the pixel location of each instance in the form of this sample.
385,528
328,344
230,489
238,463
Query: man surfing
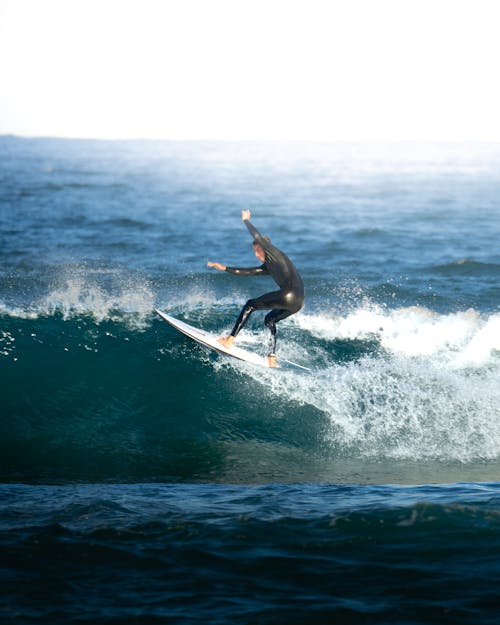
288,300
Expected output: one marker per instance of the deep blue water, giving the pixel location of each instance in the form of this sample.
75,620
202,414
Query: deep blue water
144,479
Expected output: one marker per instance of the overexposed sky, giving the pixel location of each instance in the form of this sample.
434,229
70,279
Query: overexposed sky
251,69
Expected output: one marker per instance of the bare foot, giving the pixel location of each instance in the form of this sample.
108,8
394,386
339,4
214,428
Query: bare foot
271,361
227,341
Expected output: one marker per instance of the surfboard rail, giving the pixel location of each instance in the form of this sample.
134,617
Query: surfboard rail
210,340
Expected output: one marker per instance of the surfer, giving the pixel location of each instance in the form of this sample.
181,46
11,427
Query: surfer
288,300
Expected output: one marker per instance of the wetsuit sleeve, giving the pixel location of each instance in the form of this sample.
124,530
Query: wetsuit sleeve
248,271
254,232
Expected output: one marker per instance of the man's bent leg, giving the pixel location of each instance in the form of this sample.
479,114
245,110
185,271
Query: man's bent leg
244,315
271,319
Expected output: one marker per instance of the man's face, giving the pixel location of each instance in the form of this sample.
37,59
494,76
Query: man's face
259,252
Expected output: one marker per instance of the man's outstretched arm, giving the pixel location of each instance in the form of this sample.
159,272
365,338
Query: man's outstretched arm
240,271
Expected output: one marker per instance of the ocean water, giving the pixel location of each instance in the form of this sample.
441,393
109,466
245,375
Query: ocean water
146,480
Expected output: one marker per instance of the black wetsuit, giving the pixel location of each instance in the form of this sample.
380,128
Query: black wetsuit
283,303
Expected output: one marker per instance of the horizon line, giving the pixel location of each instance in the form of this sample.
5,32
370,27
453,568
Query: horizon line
29,136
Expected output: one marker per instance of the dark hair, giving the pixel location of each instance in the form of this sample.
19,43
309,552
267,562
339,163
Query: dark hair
265,239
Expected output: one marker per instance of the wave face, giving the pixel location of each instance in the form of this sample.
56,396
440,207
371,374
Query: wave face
94,392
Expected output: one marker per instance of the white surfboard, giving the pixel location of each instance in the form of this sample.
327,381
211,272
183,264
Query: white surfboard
210,340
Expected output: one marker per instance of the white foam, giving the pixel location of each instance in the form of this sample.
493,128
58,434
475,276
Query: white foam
400,408
81,296
484,343
80,292
433,391
130,300
7,343
463,338
16,311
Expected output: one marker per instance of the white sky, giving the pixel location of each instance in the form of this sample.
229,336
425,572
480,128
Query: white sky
251,69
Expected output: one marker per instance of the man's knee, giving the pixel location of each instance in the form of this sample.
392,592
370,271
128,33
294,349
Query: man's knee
249,306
